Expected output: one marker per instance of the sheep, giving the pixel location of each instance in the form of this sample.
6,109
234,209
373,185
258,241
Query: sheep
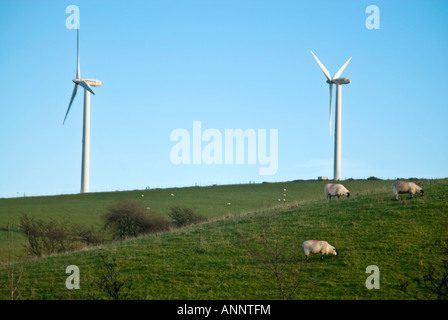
317,246
335,190
406,187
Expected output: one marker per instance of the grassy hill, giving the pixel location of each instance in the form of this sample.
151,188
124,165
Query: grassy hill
211,202
234,253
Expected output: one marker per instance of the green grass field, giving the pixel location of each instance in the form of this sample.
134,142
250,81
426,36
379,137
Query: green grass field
227,257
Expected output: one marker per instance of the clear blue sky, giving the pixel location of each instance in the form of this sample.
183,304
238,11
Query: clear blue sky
229,64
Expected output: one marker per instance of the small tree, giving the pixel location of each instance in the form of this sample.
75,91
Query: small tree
15,270
46,237
88,235
434,281
183,216
129,219
110,282
276,258
53,236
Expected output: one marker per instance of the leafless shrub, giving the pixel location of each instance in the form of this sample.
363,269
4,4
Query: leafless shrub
434,281
129,219
109,280
88,235
275,256
183,216
14,269
45,237
53,236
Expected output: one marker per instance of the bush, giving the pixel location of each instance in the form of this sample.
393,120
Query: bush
47,237
110,282
434,282
129,219
373,178
183,216
88,235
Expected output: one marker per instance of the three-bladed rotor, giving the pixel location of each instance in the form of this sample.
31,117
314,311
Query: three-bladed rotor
85,83
331,80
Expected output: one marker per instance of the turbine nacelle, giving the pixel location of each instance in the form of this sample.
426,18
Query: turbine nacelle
86,84
341,81
90,82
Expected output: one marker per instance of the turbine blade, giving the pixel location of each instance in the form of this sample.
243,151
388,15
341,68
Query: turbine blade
78,72
86,86
331,96
327,74
342,69
71,101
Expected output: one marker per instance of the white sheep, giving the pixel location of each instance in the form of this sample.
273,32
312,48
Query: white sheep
335,190
317,246
406,187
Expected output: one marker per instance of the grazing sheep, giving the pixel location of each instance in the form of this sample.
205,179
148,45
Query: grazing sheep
406,187
316,246
335,190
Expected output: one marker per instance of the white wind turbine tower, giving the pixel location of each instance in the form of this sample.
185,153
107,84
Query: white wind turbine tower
86,84
337,137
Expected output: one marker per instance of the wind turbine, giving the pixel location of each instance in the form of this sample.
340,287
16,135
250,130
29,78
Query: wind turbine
86,84
337,137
